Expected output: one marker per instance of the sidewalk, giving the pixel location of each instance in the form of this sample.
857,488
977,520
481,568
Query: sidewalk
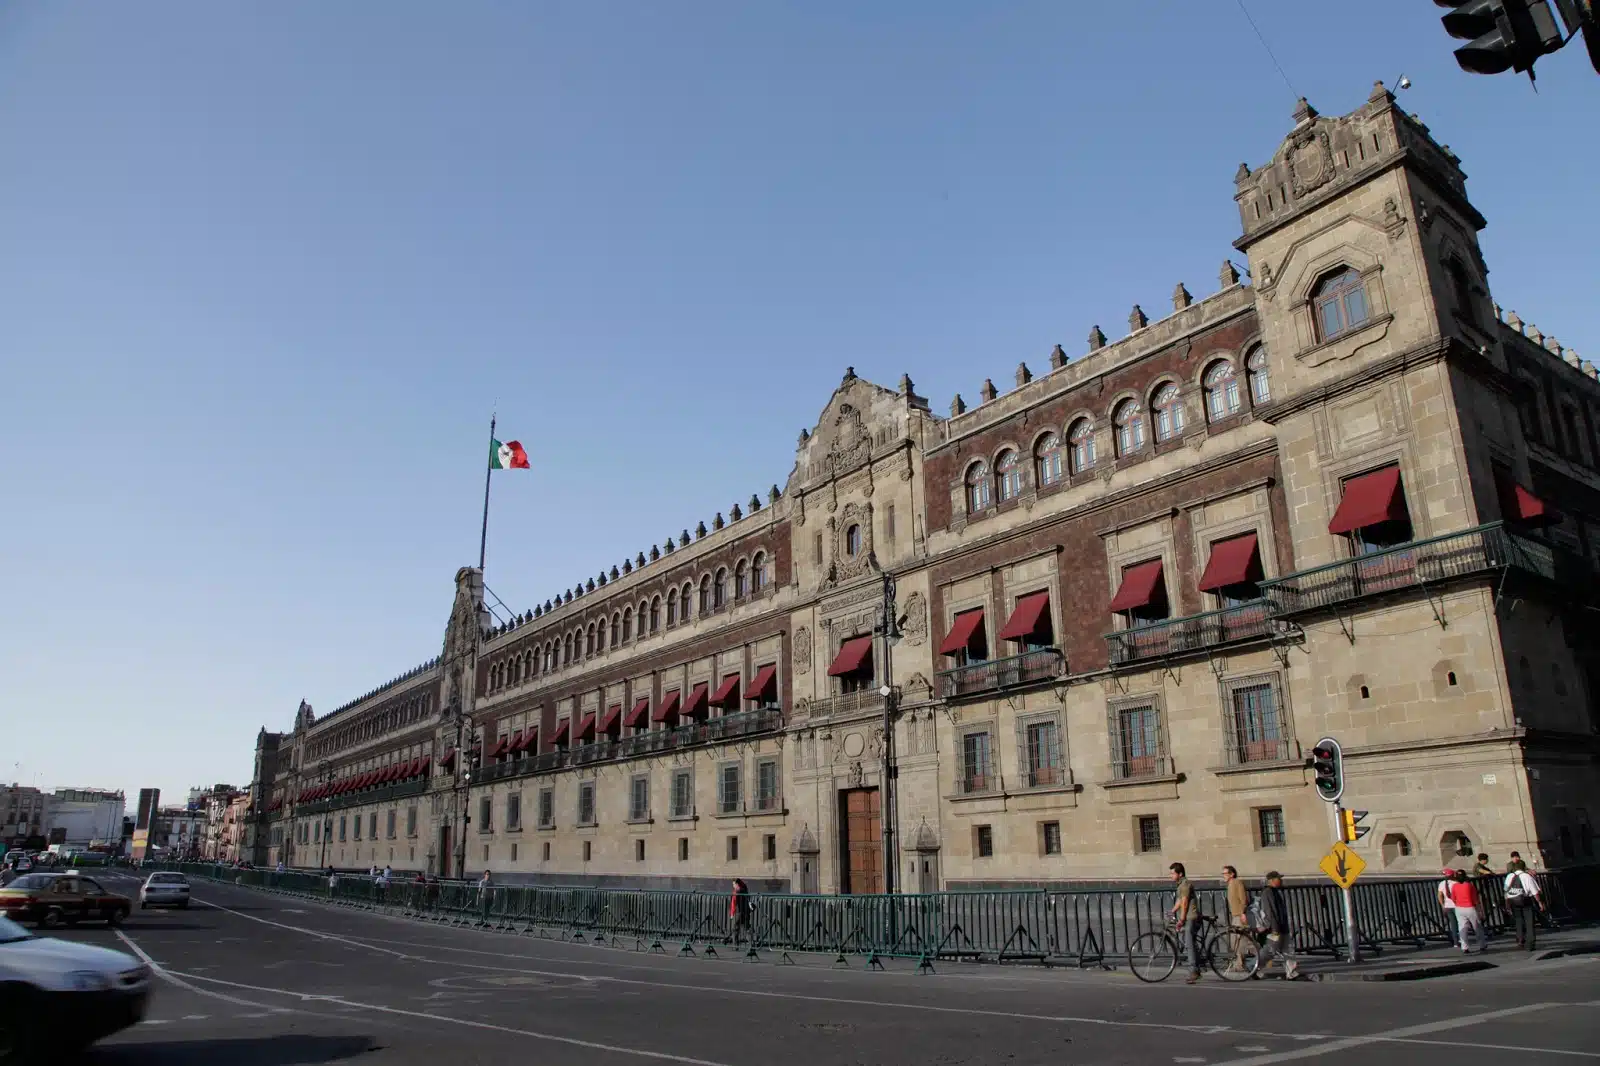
1400,963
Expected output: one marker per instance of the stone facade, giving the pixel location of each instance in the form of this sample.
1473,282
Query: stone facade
1091,625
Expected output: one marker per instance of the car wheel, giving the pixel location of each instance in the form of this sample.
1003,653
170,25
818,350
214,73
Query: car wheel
114,918
52,918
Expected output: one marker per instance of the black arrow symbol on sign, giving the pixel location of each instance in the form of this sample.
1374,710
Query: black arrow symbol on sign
1338,858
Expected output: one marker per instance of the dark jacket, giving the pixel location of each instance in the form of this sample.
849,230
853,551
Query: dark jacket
1275,909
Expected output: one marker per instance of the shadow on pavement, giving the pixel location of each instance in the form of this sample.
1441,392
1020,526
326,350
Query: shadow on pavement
286,1050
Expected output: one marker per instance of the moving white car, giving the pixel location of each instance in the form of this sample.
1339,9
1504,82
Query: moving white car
165,889
59,996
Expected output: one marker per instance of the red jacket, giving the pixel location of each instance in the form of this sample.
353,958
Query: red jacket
1464,893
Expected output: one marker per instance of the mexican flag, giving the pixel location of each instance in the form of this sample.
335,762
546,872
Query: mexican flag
507,456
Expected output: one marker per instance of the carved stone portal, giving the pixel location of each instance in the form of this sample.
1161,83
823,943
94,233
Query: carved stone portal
802,651
915,628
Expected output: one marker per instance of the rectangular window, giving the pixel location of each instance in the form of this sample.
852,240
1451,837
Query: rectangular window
1269,827
975,764
514,810
682,794
1044,754
547,808
1255,726
982,841
817,553
769,847
588,850
513,851
485,814
341,829
638,850
486,853
586,803
683,849
411,821
547,851
372,826
767,785
1149,832
1050,838
389,825
1136,742
639,799
356,826
888,523
730,792
733,849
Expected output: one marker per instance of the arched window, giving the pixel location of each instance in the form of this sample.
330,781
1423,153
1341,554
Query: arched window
1080,444
1255,369
1461,288
1008,478
1047,460
684,596
1221,386
705,594
741,580
588,641
1128,419
672,610
1168,409
719,589
1340,302
566,649
852,541
530,664
627,625
549,658
758,572
655,614
616,629
977,487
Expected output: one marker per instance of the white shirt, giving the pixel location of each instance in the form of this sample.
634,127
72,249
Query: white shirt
1444,893
1523,880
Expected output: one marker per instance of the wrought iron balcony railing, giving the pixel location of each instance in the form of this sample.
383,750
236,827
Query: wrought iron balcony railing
1176,636
848,703
995,674
388,793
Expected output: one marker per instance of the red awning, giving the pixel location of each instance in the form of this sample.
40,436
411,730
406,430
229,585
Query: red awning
1368,500
1517,504
667,708
585,728
530,739
561,731
853,653
765,683
697,700
612,720
500,746
1139,585
1025,616
516,744
726,691
961,632
424,765
1233,561
447,759
640,713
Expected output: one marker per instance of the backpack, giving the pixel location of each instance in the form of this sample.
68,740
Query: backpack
1256,915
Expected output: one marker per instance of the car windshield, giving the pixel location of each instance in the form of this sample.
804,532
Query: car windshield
11,932
33,882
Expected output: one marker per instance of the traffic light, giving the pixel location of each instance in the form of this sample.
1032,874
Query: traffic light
1350,827
1501,35
1327,763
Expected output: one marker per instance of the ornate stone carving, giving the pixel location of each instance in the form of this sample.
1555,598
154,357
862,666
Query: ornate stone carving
1310,161
802,651
857,775
849,566
914,630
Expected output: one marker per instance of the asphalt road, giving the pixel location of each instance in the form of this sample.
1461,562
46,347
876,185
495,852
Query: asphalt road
253,979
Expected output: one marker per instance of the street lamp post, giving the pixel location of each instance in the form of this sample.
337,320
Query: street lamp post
463,784
327,819
890,628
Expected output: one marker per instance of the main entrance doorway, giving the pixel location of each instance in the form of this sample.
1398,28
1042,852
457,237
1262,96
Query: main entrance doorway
861,842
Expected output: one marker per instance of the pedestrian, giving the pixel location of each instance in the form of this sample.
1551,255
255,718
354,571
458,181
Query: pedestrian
1468,917
388,872
1523,897
1482,868
485,894
1279,942
280,866
1442,890
333,881
1185,912
1511,863
1238,912
739,909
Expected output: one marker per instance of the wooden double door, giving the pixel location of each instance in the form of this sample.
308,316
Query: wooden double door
861,841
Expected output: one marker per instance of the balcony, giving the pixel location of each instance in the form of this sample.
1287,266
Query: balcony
995,675
1133,768
1415,565
728,727
867,699
1178,636
387,794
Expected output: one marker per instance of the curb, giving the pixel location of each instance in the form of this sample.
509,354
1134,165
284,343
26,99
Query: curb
1588,947
1412,973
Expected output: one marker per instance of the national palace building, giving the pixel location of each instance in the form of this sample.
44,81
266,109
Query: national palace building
1076,630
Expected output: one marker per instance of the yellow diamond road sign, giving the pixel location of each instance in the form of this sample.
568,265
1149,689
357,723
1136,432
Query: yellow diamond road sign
1342,865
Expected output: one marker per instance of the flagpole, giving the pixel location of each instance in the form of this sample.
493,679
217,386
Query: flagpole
488,471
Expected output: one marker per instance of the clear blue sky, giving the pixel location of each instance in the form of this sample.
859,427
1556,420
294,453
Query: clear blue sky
265,269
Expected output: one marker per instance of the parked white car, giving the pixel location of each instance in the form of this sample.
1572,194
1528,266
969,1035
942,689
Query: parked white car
59,996
164,889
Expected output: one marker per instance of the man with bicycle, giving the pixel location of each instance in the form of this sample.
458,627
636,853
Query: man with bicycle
1185,914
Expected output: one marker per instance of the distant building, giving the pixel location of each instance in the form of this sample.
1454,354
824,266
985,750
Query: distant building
22,810
85,816
179,831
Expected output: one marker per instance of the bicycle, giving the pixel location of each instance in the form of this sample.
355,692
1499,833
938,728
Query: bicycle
1233,954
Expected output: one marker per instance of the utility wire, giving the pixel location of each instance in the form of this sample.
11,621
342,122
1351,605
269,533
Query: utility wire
1262,38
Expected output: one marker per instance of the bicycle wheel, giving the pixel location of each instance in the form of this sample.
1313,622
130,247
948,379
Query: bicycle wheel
1234,955
1153,956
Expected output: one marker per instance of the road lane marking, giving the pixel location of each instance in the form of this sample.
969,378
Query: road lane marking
1346,1043
1492,1047
350,1004
161,972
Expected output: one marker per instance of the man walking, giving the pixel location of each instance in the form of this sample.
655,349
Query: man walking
1279,942
1442,890
1238,912
1464,894
1185,912
1522,896
739,909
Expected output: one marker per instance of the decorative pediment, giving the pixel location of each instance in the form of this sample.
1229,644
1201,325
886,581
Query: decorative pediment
859,420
